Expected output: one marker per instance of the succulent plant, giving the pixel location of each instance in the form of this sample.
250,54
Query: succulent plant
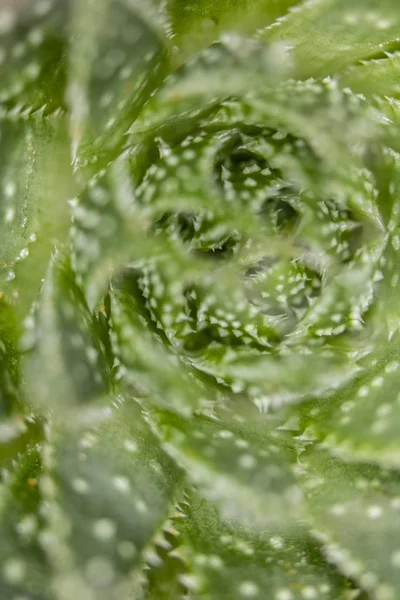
199,315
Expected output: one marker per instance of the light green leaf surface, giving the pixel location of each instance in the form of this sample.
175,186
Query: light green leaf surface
89,503
244,466
113,68
324,36
360,422
33,47
35,183
24,569
220,560
354,509
195,24
63,339
199,316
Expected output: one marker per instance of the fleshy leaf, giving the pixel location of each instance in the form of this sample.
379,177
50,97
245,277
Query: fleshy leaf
361,420
222,560
199,317
379,77
354,509
148,369
328,35
114,66
88,505
242,465
196,24
33,45
23,567
36,184
114,487
10,375
63,336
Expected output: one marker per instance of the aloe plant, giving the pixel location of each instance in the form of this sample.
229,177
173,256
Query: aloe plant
199,316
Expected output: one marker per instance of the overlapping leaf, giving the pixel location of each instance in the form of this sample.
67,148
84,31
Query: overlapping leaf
324,37
355,510
89,502
243,466
230,245
219,559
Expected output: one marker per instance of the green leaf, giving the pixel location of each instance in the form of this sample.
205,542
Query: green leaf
114,67
33,44
66,349
82,508
196,24
326,36
148,369
360,421
23,567
9,361
379,77
242,465
223,560
113,488
354,510
36,184
199,317
237,15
